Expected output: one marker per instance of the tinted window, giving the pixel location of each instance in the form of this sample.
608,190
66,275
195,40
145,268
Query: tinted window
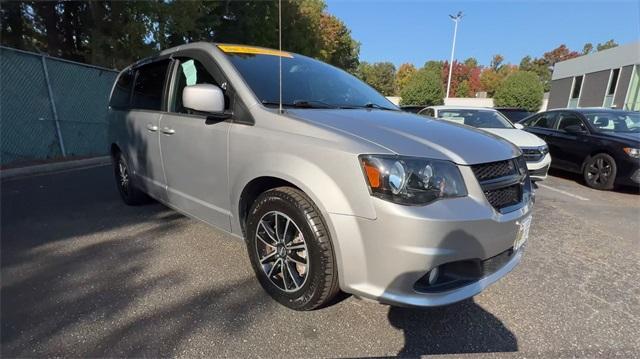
190,72
149,86
544,120
614,121
304,80
476,118
515,115
122,91
570,119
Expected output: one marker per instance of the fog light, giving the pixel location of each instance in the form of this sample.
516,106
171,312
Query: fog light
433,275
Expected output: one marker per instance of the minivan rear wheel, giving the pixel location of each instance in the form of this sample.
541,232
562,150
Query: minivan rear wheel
600,171
290,249
129,193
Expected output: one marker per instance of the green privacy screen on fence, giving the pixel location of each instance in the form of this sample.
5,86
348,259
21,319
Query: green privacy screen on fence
31,87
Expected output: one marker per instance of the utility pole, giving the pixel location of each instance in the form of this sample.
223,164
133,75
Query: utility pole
455,19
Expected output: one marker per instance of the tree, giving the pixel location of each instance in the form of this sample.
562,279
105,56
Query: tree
606,45
521,89
491,79
380,75
464,89
587,48
471,62
404,75
496,62
115,33
424,89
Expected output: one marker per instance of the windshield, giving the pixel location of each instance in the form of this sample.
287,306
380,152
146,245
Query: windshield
305,82
476,118
614,121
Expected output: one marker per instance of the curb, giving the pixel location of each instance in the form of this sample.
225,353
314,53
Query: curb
14,173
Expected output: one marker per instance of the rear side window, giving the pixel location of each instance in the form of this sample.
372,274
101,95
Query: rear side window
122,91
149,86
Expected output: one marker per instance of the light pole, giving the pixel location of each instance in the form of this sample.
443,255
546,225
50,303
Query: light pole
455,19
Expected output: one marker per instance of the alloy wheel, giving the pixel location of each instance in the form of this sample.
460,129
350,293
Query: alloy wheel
123,176
282,251
599,171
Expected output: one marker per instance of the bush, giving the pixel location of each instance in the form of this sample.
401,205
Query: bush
424,89
521,89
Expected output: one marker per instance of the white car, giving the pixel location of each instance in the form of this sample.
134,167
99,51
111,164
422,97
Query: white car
534,149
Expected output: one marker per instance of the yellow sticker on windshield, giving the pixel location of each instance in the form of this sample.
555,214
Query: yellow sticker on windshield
253,50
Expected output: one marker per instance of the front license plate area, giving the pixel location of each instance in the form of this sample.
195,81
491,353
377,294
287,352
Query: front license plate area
523,233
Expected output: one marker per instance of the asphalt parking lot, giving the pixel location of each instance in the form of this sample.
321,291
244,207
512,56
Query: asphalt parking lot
83,275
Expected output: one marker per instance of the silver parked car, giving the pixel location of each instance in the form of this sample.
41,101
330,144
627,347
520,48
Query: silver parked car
338,191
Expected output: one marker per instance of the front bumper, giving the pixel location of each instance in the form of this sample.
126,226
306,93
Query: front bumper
382,259
538,170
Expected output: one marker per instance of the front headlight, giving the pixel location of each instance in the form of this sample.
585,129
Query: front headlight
633,152
410,180
544,150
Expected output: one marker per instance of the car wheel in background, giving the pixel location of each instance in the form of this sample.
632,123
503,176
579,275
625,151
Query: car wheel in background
290,249
600,171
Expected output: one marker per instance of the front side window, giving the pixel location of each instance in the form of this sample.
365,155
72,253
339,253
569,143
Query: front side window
305,81
614,121
189,72
544,120
570,119
122,91
149,86
476,118
427,112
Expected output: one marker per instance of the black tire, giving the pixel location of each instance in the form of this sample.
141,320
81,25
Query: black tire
129,193
600,171
320,283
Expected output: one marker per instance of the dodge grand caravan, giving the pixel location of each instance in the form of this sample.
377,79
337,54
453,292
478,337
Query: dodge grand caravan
339,190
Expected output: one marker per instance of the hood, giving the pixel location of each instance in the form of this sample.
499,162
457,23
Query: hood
519,138
412,135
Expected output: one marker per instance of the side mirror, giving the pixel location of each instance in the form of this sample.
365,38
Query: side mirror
574,129
203,98
519,126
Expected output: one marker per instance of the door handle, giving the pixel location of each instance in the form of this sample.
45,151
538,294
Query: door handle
152,128
168,131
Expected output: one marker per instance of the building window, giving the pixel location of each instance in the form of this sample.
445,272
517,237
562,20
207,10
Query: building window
611,89
575,92
632,101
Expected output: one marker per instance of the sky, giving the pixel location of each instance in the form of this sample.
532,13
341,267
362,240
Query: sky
417,31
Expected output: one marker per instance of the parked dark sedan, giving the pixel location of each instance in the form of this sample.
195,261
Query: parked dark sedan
602,144
514,114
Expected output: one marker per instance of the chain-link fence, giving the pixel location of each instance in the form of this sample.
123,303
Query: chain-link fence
51,108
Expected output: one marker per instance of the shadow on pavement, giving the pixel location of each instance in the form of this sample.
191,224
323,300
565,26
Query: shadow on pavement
455,329
81,274
463,327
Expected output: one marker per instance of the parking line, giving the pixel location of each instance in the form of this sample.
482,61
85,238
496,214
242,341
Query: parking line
564,192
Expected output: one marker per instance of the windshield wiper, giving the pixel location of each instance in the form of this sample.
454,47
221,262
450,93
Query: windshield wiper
371,105
300,104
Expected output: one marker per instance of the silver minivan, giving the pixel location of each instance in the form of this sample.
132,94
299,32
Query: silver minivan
338,191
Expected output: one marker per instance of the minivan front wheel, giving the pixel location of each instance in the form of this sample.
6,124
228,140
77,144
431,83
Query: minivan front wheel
600,171
129,193
290,249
